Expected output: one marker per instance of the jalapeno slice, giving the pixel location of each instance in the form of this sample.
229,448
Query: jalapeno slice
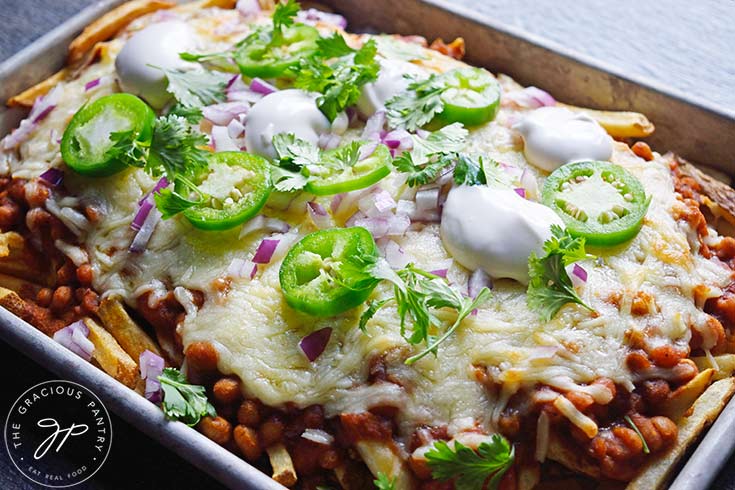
260,56
599,201
235,190
471,97
364,173
86,144
324,274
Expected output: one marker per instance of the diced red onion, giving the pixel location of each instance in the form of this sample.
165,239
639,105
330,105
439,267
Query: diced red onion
74,338
248,8
336,200
318,215
265,251
240,268
542,97
374,126
42,107
579,271
520,191
143,211
478,280
404,207
577,274
141,239
440,272
351,117
314,344
91,84
530,98
329,141
377,203
151,367
238,91
236,129
52,176
260,86
422,133
260,223
312,16
427,205
398,140
378,227
512,171
222,114
221,140
162,182
398,225
395,255
530,184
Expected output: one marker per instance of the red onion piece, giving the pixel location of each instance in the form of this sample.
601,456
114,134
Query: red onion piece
221,140
91,84
318,215
395,255
422,133
541,97
367,150
520,191
260,223
222,114
265,251
530,184
42,107
314,344
440,272
378,227
240,268
377,203
530,98
374,126
52,176
579,271
336,200
248,8
74,338
162,182
142,214
237,91
151,367
236,129
141,239
312,16
329,141
398,139
260,86
478,280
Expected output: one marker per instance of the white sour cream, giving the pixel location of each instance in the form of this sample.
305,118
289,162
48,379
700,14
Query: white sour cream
287,111
554,136
390,82
495,230
157,45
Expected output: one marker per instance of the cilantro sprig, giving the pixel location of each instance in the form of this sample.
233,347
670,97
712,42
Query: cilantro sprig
337,72
182,401
417,295
550,287
417,106
383,482
432,154
471,470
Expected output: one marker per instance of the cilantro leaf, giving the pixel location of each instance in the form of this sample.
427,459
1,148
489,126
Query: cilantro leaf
416,106
449,139
471,470
194,88
431,154
384,483
392,48
283,16
372,308
421,174
128,149
338,82
174,149
192,114
344,156
183,401
222,61
550,287
172,201
295,151
469,171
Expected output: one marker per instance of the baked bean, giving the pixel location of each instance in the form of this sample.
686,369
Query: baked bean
37,218
216,428
17,190
684,371
655,391
271,431
650,433
509,424
90,302
725,249
667,428
36,194
61,299
84,274
455,49
248,413
642,150
667,355
314,416
637,361
10,215
643,304
92,213
202,356
329,459
227,390
630,440
247,441
66,273
43,297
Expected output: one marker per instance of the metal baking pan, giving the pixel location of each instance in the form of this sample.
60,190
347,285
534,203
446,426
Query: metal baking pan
693,128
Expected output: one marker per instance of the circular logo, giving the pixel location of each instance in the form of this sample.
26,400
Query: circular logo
58,434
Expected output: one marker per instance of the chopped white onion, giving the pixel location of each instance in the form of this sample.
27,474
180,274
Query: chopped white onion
222,114
143,236
261,223
221,140
318,436
478,280
74,338
248,8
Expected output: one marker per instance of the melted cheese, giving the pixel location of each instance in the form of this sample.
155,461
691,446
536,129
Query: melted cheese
257,334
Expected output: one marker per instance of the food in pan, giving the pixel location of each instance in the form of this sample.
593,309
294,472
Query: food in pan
357,261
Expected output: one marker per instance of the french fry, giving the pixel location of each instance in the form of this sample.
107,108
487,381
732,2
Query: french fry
11,244
717,196
618,124
29,312
570,457
380,457
725,365
705,410
20,286
131,337
29,96
680,400
283,470
109,24
110,356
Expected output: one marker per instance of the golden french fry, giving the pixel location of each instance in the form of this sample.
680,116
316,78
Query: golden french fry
718,196
27,288
705,410
29,96
618,124
283,470
569,456
110,356
11,244
109,24
380,457
29,312
680,400
725,365
131,337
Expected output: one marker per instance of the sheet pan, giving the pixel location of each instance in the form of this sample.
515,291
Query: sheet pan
693,128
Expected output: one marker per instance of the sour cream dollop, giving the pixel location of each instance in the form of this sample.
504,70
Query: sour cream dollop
287,111
390,82
554,136
158,45
495,230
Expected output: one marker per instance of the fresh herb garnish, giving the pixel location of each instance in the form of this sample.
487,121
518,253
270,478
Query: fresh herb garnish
469,170
384,483
646,449
550,287
418,105
471,470
391,48
173,199
182,401
175,150
337,72
431,154
194,88
416,294
283,16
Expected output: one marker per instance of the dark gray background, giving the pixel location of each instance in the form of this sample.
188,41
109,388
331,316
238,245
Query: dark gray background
687,45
